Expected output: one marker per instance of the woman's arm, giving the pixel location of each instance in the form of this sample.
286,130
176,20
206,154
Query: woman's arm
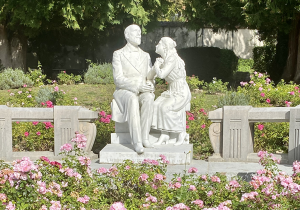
167,67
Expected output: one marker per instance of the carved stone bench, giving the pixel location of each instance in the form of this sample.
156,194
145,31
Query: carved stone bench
67,120
232,131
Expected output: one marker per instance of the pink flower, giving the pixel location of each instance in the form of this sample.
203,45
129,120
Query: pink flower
24,85
42,103
158,177
26,134
117,206
198,202
193,170
10,206
49,104
177,185
255,73
260,88
29,96
64,72
38,133
204,177
288,103
127,167
45,159
268,100
3,197
296,88
102,113
102,170
56,88
75,98
268,80
215,179
292,93
260,127
17,122
191,118
143,177
203,126
55,205
66,148
210,193
262,95
192,188
35,123
187,126
84,199
84,160
260,75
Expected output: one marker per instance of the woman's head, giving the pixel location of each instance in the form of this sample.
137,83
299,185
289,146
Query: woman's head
165,46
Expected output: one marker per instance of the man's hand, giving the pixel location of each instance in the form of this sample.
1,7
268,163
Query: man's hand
148,87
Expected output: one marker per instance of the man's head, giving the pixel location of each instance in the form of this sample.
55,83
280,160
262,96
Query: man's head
133,35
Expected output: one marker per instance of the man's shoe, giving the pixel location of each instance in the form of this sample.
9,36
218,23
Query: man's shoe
147,143
138,148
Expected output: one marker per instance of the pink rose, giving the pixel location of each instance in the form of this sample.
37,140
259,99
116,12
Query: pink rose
26,134
260,127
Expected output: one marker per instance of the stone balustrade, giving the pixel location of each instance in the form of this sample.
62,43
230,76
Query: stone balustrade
232,131
67,120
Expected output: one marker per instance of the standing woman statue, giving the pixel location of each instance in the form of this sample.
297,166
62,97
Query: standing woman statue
169,108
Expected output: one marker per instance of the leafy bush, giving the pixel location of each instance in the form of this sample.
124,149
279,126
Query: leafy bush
68,79
99,73
37,76
53,94
215,86
263,58
33,136
245,65
128,185
14,78
194,82
197,126
233,99
21,98
228,64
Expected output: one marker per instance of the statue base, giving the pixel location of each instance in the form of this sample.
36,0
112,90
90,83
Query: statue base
117,153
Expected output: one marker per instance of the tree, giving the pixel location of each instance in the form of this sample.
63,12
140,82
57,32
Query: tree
275,20
24,19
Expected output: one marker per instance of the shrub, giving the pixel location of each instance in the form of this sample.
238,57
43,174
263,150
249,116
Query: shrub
197,126
37,76
194,82
14,78
215,86
263,58
68,79
54,95
228,64
21,98
233,99
245,65
33,136
99,73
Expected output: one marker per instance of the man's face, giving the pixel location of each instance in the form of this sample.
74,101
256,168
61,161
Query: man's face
134,36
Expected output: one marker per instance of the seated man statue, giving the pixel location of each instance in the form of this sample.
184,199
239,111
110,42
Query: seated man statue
133,97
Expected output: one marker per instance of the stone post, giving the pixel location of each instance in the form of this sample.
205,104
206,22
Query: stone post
236,133
5,133
294,135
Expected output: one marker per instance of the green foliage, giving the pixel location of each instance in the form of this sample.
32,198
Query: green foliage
37,76
68,79
44,94
99,73
14,78
198,126
159,81
228,64
245,65
194,82
272,137
215,86
233,99
33,136
21,98
263,58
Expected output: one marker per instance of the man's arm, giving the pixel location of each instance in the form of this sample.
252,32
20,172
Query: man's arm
120,80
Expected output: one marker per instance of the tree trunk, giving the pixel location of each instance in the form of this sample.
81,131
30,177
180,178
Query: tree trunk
13,50
292,69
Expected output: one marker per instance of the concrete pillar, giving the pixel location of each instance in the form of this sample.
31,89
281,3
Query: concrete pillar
294,135
236,133
5,133
65,125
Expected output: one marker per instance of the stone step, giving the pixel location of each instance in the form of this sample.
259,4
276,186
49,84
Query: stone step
117,153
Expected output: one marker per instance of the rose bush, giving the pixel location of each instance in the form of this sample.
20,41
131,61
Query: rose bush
71,184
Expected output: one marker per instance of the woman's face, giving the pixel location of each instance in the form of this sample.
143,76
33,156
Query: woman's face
159,48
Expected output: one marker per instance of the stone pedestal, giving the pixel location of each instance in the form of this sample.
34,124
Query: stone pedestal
121,149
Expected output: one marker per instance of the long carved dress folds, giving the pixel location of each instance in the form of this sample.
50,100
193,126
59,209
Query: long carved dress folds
169,108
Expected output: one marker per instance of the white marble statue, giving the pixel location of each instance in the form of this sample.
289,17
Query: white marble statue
133,97
169,109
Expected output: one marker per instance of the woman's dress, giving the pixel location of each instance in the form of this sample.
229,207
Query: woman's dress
169,108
